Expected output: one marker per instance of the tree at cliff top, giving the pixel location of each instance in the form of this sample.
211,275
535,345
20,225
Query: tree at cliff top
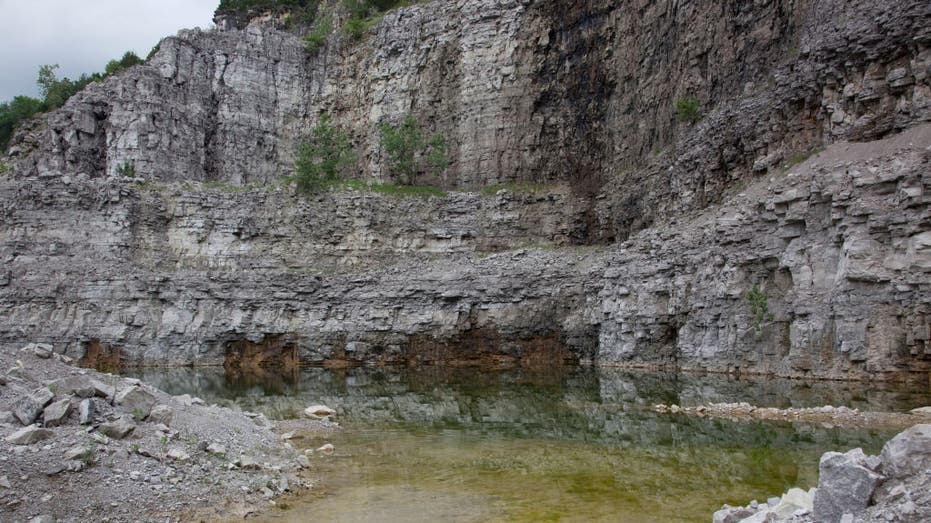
327,156
55,92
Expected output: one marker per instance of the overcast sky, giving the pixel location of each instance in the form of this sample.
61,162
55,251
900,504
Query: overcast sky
83,35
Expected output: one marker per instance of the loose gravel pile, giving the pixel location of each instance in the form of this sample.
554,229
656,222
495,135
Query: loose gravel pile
80,445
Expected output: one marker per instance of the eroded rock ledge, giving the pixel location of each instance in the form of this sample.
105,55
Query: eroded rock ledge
837,249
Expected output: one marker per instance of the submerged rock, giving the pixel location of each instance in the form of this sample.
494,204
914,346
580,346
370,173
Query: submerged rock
318,411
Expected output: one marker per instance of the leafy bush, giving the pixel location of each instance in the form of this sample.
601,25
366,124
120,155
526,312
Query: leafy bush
128,60
364,14
325,157
126,169
758,307
409,154
688,109
21,108
318,35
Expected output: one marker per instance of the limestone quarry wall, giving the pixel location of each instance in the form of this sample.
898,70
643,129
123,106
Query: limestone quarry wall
203,253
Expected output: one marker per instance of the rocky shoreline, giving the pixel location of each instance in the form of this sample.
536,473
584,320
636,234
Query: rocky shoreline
855,488
836,416
80,445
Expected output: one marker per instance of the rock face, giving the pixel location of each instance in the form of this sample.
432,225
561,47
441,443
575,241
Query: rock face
817,269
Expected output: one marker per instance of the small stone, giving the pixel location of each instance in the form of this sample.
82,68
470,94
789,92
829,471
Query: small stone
8,418
43,351
161,414
44,518
318,411
303,461
29,435
80,453
118,429
247,462
267,492
921,411
5,482
178,454
216,448
86,411
327,449
287,435
56,413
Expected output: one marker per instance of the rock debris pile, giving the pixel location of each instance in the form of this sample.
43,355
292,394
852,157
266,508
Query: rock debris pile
79,445
855,488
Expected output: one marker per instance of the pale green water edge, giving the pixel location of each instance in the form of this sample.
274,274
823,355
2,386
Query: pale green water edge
469,445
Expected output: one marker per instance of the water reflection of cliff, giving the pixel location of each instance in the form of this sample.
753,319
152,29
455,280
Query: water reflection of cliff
578,403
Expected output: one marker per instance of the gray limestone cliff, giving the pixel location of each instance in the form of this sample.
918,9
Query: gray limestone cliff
640,247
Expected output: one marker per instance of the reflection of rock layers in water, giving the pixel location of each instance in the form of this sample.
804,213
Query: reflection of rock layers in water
580,404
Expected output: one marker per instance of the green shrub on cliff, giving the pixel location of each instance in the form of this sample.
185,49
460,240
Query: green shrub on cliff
758,307
318,34
325,157
688,109
409,153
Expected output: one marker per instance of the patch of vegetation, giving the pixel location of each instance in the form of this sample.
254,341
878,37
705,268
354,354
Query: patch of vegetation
55,92
327,156
365,14
410,153
688,109
520,188
758,307
3,169
423,191
318,34
801,156
227,187
138,415
126,169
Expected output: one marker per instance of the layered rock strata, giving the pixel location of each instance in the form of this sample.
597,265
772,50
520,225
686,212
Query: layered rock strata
201,257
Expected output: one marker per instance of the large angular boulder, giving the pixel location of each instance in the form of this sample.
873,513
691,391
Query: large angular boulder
118,429
137,401
86,411
845,486
56,413
161,414
80,385
909,453
27,408
29,435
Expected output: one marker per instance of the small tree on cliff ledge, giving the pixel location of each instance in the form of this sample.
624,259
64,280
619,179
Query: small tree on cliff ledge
409,153
325,157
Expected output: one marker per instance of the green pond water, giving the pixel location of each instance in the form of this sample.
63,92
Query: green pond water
576,445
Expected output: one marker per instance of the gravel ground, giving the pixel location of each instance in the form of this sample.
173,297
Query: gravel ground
181,460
